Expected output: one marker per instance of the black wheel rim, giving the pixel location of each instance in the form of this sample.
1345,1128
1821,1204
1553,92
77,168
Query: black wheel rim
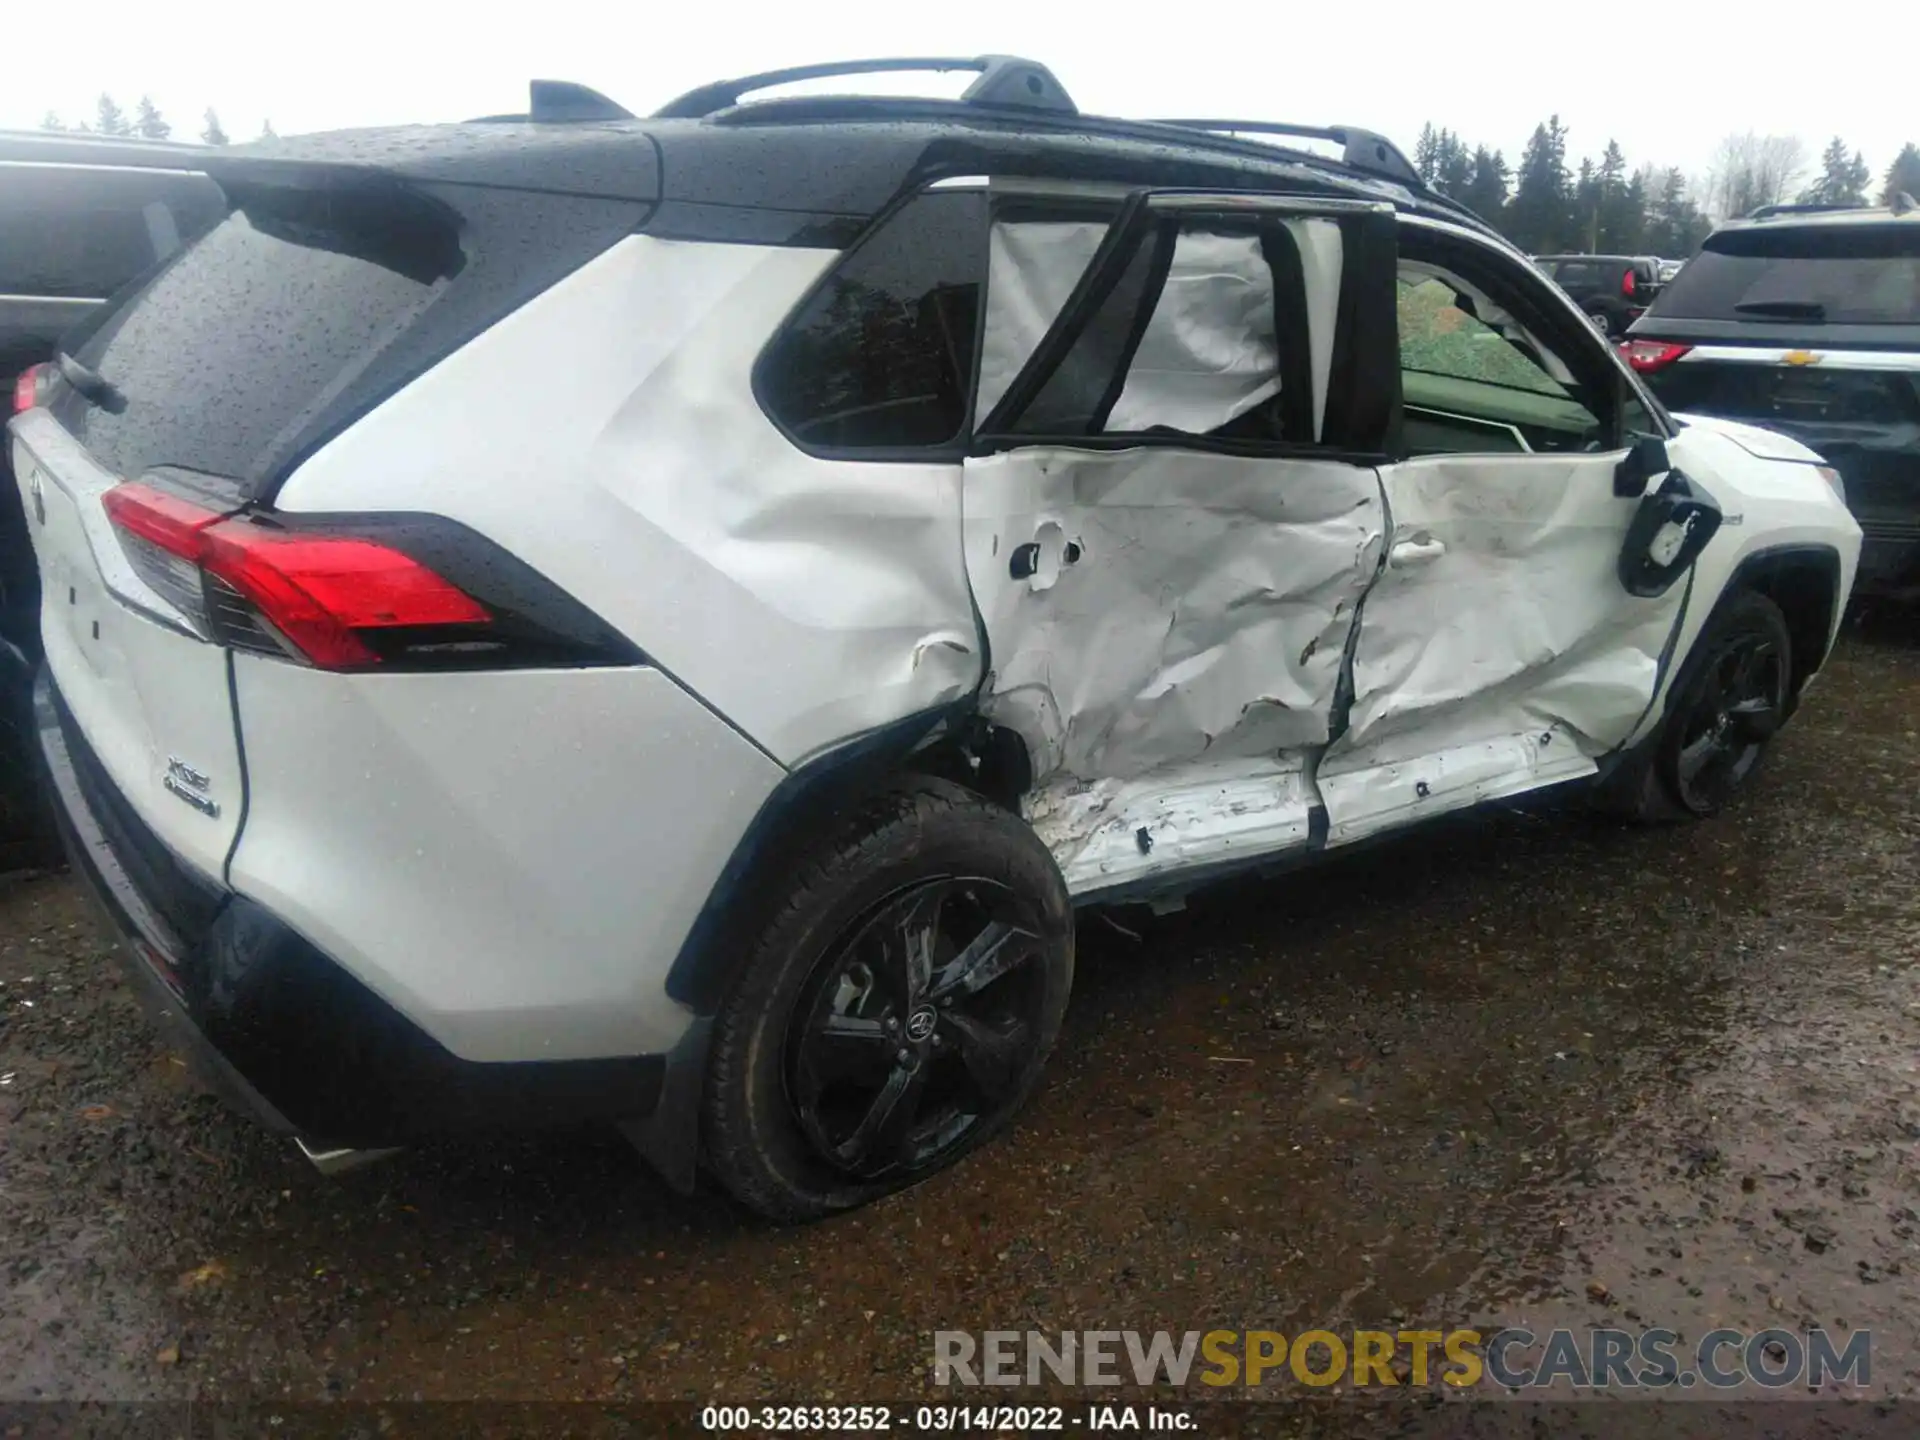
1736,707
917,1028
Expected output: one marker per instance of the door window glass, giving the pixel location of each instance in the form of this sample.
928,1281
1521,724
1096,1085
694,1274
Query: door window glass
1482,383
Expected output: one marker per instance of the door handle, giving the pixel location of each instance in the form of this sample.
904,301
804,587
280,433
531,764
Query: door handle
1422,551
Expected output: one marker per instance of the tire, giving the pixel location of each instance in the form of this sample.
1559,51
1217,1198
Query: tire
1602,322
1730,699
832,1033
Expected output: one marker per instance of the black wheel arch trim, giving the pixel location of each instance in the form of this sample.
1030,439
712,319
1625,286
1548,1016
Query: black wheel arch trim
1626,768
1757,568
810,794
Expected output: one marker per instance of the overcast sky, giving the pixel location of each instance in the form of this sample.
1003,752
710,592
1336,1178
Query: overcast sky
1667,79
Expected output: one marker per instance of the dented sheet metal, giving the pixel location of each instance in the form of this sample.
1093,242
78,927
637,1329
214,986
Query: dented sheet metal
1174,606
1498,650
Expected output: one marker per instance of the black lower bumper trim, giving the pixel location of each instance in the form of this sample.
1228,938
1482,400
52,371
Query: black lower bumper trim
289,1034
1889,566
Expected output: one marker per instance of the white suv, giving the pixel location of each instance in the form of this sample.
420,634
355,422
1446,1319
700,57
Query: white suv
664,619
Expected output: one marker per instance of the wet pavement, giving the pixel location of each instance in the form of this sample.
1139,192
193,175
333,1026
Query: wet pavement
1526,1068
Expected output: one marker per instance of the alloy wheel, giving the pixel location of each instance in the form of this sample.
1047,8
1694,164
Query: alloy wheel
1736,706
917,1028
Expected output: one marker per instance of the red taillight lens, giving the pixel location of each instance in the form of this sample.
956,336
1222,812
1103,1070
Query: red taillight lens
161,519
26,388
319,590
315,594
1647,356
1626,283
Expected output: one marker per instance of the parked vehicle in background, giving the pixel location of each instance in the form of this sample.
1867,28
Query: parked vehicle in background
663,620
1669,269
80,216
1808,322
1613,290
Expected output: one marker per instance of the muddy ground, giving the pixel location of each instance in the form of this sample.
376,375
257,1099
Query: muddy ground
1520,1069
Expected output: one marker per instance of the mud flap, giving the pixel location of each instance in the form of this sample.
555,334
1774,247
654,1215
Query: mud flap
669,1138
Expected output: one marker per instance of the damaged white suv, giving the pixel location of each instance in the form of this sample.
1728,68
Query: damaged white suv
664,619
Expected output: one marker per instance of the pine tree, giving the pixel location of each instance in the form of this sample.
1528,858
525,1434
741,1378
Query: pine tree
1843,179
1486,192
1675,226
1586,208
1426,153
1628,233
1903,176
1618,216
109,119
212,133
51,121
1540,217
1455,166
267,131
147,121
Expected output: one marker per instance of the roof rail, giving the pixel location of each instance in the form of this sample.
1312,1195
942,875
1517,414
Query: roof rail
1006,81
1765,212
1360,149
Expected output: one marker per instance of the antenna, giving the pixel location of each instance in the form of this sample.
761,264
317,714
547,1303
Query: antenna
563,101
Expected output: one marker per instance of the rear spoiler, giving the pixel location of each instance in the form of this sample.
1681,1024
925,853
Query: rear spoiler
600,161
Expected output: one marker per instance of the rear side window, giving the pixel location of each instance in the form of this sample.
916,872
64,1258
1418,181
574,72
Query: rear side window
1837,274
232,346
881,356
80,233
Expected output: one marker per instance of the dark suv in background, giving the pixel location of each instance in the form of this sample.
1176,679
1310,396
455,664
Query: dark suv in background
1614,290
80,217
1807,322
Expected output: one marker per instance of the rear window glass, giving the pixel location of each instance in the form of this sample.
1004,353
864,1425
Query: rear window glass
1576,272
71,232
882,356
1847,275
230,348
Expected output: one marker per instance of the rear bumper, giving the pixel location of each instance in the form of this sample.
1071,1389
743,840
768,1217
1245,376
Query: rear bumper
274,1024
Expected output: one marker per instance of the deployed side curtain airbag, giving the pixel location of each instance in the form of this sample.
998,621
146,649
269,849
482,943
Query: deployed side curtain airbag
1322,257
1209,353
1032,267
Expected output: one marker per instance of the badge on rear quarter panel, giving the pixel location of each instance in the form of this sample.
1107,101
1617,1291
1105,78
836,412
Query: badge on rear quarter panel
186,783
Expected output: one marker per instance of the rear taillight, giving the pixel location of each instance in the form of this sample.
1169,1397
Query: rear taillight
305,588
1626,283
1646,356
323,593
27,387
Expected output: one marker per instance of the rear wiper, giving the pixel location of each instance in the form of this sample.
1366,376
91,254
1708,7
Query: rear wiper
1798,309
92,385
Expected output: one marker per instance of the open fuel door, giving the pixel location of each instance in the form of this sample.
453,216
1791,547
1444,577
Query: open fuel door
1172,512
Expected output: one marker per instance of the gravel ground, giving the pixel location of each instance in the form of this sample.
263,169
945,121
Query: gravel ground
1525,1068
